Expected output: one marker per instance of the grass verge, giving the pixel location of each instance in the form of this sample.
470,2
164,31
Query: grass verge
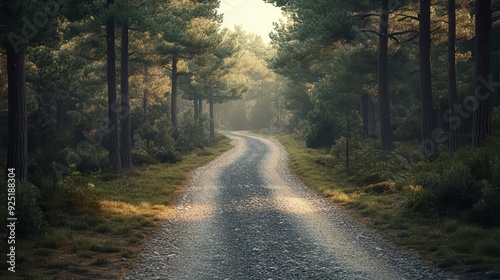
97,225
453,244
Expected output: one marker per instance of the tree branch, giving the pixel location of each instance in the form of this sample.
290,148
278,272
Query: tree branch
435,29
404,17
411,38
363,16
393,38
403,32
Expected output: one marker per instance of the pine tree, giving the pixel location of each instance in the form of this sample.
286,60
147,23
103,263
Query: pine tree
455,121
114,144
383,79
483,114
427,104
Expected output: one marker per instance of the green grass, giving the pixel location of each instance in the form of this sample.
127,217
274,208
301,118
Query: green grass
450,243
108,223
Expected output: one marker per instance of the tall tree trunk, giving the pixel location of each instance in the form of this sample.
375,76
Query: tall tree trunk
483,114
114,154
366,111
347,138
212,125
200,112
200,105
173,102
17,141
145,91
195,106
455,121
383,80
427,109
59,115
126,128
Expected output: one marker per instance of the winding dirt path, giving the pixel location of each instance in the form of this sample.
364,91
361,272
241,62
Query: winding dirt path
245,216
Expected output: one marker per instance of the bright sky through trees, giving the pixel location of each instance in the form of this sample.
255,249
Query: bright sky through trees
254,16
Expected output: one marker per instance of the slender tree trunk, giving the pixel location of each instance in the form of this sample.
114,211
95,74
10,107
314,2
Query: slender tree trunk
383,80
59,115
483,114
114,154
126,127
366,112
145,91
173,102
212,125
17,141
200,105
455,121
200,112
195,106
347,144
427,109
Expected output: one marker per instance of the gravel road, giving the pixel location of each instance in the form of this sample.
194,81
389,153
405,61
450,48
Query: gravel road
245,216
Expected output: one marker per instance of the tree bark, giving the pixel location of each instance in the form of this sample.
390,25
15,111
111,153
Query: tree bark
455,121
114,154
483,114
427,109
126,127
383,80
347,138
366,112
59,115
17,141
200,105
195,106
145,91
173,102
212,125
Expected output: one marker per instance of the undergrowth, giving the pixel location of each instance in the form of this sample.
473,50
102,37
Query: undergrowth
446,207
93,225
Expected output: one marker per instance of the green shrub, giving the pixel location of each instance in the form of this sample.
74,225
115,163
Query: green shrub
368,164
380,188
141,157
192,133
29,215
487,210
153,132
463,183
451,190
30,220
368,178
478,160
422,202
89,158
75,196
166,154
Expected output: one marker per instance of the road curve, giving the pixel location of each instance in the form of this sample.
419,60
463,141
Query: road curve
245,216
